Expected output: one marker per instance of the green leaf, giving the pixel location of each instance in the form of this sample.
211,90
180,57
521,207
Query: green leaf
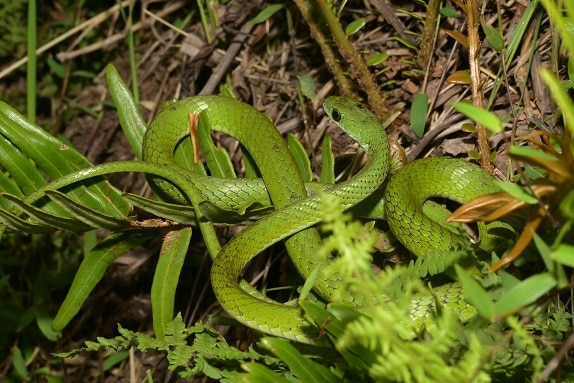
520,192
524,151
217,159
564,254
307,86
131,120
449,12
57,159
524,293
301,158
19,167
92,218
475,294
493,37
303,368
48,219
487,119
166,278
355,26
328,161
377,58
419,110
545,252
258,373
17,224
115,358
92,270
19,363
44,322
266,13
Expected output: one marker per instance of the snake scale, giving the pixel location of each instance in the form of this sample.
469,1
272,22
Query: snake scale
296,213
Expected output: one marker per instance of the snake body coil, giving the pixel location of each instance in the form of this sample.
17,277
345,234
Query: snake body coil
296,212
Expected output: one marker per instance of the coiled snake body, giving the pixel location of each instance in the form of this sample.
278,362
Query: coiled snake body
296,213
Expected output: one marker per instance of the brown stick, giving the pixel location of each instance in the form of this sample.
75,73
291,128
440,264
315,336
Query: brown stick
473,14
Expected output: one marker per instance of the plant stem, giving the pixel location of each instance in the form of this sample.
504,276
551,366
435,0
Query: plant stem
31,65
472,14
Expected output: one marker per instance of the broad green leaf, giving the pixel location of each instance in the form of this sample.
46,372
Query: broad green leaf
301,366
57,159
217,159
377,58
266,13
19,167
115,358
545,252
493,37
419,110
355,26
482,116
525,151
475,294
301,157
564,254
131,120
567,205
92,270
307,86
166,278
520,192
507,280
449,12
524,293
19,363
44,322
258,373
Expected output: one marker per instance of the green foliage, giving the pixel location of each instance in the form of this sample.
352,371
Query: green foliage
208,354
12,27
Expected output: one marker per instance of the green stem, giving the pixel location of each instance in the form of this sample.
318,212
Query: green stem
31,64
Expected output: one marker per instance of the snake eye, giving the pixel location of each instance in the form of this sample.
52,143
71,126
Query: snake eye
336,115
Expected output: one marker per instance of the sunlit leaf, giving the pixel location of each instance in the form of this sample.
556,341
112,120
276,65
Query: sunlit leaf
524,293
355,26
419,110
266,13
482,116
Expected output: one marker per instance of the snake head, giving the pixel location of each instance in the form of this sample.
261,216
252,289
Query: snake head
356,120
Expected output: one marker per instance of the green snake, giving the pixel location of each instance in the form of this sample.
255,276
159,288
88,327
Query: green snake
296,213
